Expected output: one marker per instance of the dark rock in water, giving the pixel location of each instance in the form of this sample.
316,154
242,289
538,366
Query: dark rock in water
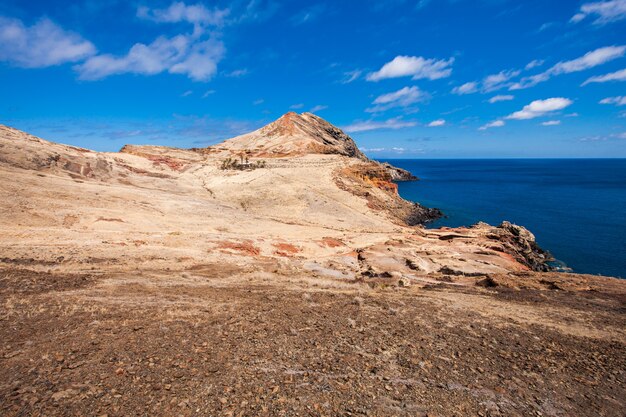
418,214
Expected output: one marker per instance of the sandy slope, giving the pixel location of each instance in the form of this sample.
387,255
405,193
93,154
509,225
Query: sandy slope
151,281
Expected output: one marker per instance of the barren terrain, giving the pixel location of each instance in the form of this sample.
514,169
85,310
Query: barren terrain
161,281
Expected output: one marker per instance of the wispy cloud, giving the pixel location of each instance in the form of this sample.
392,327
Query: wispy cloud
363,126
350,76
392,150
496,123
496,99
437,123
296,106
208,93
415,67
467,88
601,138
401,98
308,14
499,80
258,102
488,84
604,11
533,64
540,108
317,108
613,76
589,60
551,123
238,73
618,101
43,44
196,14
187,93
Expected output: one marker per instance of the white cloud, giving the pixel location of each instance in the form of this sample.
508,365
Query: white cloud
467,88
589,60
296,106
187,93
41,45
196,14
599,138
208,93
396,150
618,101
258,102
498,81
416,67
395,123
317,108
350,76
496,99
178,55
437,123
497,123
613,76
490,83
551,123
401,98
533,64
539,108
238,73
195,55
606,11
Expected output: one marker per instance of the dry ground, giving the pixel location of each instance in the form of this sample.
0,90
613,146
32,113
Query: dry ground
209,341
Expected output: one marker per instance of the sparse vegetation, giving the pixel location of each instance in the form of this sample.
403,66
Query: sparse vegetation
243,164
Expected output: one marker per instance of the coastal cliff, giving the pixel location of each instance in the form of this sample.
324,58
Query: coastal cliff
279,272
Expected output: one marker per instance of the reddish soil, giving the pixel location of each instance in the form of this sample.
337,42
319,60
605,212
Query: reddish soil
285,249
245,247
331,242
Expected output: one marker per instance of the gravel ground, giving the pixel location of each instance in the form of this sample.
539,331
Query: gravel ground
183,344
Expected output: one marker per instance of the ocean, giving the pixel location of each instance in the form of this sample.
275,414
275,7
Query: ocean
576,208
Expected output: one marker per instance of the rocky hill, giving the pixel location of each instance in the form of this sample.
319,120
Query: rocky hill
279,272
295,134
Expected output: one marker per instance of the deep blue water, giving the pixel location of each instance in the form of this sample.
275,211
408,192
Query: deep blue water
576,208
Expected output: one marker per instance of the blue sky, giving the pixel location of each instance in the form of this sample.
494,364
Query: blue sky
405,78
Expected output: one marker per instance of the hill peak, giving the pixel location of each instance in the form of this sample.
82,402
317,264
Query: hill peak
296,134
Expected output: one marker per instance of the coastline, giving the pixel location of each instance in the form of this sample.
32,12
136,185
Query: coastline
544,195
